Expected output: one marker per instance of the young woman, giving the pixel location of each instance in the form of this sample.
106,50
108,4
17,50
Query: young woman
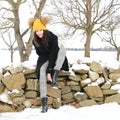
51,58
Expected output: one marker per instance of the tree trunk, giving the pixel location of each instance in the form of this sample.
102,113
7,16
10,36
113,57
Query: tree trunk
21,46
87,45
118,55
29,46
23,52
89,28
11,51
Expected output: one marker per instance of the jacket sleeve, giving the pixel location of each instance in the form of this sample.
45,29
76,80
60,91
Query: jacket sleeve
54,48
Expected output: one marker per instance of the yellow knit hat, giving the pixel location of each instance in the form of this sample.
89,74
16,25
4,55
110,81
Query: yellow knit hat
38,25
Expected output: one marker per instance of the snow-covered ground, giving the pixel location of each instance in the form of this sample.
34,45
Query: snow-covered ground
109,111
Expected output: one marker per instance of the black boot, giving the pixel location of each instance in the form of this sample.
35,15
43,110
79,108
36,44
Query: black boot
44,105
54,78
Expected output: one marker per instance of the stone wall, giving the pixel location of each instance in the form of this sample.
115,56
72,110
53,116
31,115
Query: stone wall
85,84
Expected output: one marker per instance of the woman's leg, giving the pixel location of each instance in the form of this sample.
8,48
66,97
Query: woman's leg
60,58
43,86
59,63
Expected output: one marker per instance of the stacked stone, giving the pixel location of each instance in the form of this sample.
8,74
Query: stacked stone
92,84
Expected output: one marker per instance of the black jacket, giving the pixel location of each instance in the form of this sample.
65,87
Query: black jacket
49,53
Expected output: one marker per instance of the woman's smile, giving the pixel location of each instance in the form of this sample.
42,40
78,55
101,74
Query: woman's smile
39,33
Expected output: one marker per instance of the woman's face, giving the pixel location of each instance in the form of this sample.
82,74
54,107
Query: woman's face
39,33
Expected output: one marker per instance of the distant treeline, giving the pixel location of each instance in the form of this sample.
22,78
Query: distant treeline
92,49
81,49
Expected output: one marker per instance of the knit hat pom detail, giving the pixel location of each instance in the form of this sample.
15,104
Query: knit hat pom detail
31,22
45,20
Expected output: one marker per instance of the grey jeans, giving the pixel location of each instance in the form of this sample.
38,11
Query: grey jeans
43,77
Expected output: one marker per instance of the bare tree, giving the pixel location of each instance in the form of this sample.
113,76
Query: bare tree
112,34
10,19
89,16
10,43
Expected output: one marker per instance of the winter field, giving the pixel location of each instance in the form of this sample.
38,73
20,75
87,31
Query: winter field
73,56
109,111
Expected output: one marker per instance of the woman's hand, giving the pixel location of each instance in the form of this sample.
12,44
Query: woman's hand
49,78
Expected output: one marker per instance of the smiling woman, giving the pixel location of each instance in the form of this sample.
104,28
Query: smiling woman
48,51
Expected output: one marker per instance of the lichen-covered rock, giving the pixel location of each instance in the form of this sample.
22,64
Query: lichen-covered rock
5,107
96,67
94,91
113,98
14,81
